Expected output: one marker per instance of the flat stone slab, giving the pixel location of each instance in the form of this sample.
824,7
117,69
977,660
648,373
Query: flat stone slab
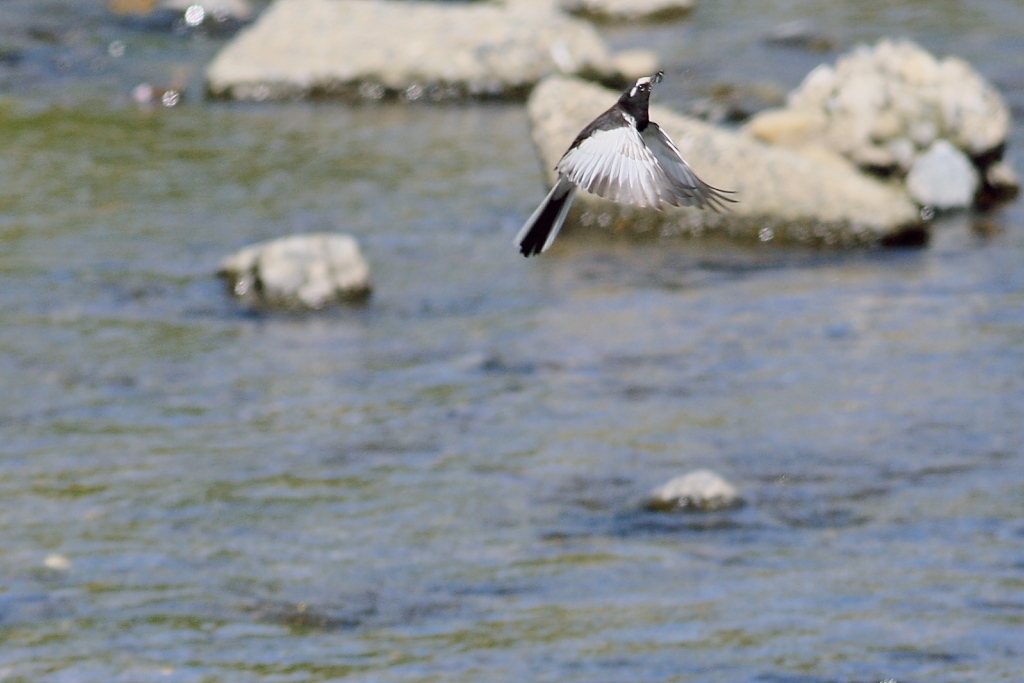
373,49
783,195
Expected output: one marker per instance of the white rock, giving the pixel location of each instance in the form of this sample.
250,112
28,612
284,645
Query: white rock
299,272
878,100
912,91
57,562
377,48
943,177
703,490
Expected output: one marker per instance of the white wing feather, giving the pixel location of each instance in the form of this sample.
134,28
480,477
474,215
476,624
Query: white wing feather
688,189
617,165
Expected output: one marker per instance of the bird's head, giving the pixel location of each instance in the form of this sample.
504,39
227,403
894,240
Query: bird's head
643,84
635,100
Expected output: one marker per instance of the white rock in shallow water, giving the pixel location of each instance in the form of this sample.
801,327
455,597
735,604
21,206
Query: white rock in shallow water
57,562
943,177
702,490
377,48
782,195
299,272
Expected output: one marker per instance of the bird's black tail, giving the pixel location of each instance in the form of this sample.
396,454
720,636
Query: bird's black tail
543,225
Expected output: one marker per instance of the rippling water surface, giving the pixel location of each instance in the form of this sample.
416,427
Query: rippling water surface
446,484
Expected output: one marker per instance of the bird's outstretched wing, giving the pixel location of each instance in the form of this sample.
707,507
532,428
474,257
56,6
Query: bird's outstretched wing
686,188
617,165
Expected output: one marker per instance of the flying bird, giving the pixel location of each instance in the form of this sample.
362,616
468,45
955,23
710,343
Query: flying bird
623,156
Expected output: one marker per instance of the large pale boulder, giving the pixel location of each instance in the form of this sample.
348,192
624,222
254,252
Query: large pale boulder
371,49
782,195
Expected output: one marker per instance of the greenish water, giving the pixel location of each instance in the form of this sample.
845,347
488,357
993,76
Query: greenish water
446,484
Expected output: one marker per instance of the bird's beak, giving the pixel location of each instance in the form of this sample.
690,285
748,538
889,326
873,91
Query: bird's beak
658,77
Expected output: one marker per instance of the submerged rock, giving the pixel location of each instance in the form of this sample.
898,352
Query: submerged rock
629,10
372,49
783,195
298,272
800,34
700,490
882,107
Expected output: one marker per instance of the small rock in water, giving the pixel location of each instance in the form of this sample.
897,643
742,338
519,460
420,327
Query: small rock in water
698,491
300,272
629,10
943,177
57,562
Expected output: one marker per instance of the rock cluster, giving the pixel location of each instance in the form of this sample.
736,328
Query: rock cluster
373,49
298,272
897,109
782,194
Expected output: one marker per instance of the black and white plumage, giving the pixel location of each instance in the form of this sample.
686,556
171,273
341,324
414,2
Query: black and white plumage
625,157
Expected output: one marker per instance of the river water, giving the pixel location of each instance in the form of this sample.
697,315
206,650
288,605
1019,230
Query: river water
447,484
